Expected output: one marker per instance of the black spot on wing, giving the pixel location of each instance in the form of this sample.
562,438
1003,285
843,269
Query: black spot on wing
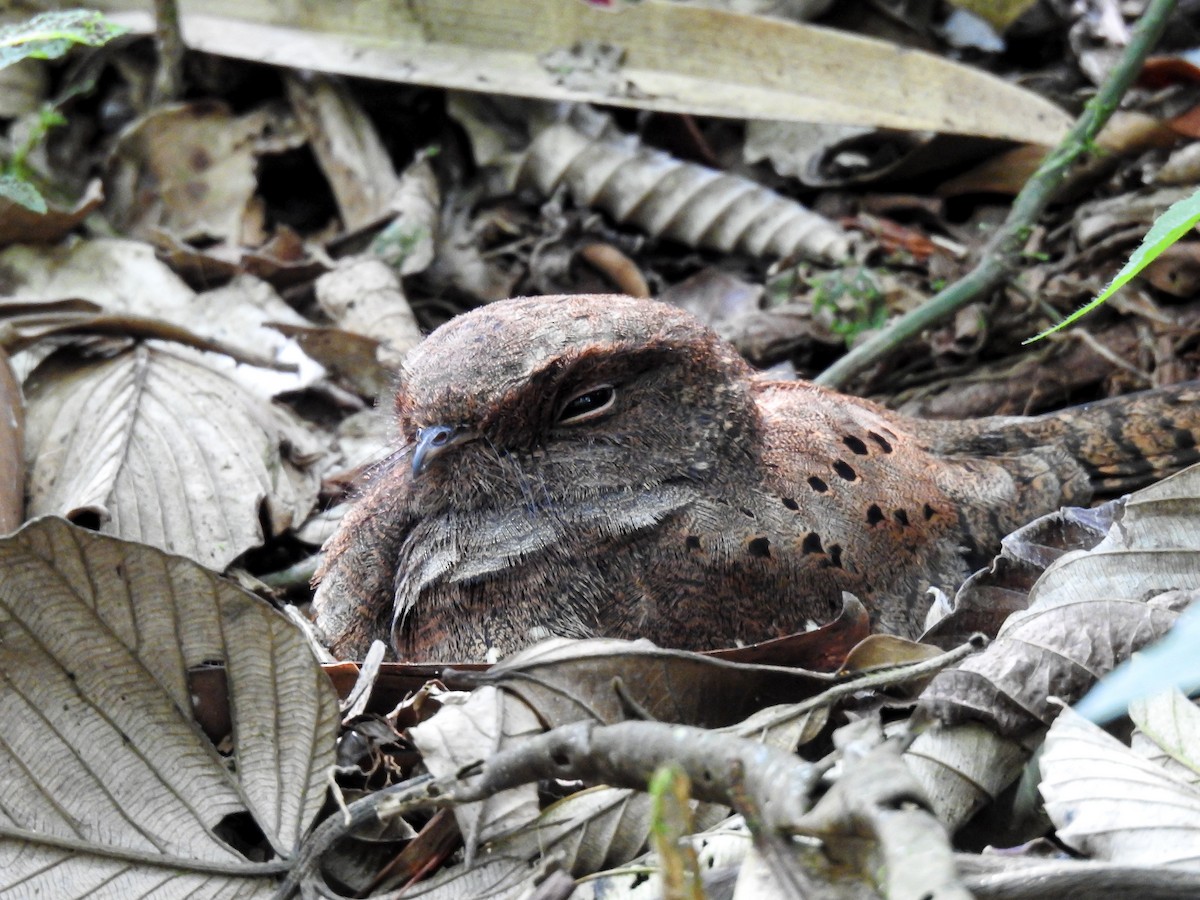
857,447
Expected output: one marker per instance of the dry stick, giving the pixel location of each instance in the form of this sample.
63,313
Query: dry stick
1002,253
1019,878
621,755
168,80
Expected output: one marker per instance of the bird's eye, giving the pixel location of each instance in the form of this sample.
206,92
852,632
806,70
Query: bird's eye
587,404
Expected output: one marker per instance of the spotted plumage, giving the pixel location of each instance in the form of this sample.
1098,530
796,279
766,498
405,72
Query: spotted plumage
599,465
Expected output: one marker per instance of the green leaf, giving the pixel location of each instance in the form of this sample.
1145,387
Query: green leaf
1168,228
50,35
22,192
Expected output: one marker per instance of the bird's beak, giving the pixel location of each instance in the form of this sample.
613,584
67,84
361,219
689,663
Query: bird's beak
433,440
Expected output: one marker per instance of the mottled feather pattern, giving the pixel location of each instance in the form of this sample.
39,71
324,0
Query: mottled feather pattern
700,504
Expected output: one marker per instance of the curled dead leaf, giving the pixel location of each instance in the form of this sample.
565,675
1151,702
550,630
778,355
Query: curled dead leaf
685,202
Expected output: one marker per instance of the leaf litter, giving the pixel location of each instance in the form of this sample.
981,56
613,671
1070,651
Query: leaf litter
319,223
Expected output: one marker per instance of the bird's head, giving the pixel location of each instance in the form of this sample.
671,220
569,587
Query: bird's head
570,396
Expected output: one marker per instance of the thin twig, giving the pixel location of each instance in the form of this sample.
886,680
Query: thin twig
1001,256
1018,878
893,675
168,80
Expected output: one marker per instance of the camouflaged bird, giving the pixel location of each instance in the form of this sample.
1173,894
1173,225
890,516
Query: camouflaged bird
599,465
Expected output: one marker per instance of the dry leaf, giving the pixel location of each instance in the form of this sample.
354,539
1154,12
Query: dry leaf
685,202
349,358
989,596
118,275
1159,517
24,331
1087,612
283,261
668,61
1168,733
155,446
464,731
823,649
565,681
110,788
12,449
363,295
1051,650
17,223
792,147
189,169
23,87
875,827
1110,804
408,242
345,143
963,768
125,276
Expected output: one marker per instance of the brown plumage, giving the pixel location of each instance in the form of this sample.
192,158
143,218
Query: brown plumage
599,465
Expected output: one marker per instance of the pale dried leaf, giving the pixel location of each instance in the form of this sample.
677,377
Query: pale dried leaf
1182,166
350,359
989,596
1160,516
408,242
1169,733
1087,613
345,142
467,729
1110,804
963,768
685,202
244,312
497,876
459,263
602,827
593,829
882,650
363,295
116,274
190,169
1083,577
720,849
1096,220
1051,650
798,72
757,880
110,789
876,828
787,726
283,260
12,443
126,276
792,146
161,449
